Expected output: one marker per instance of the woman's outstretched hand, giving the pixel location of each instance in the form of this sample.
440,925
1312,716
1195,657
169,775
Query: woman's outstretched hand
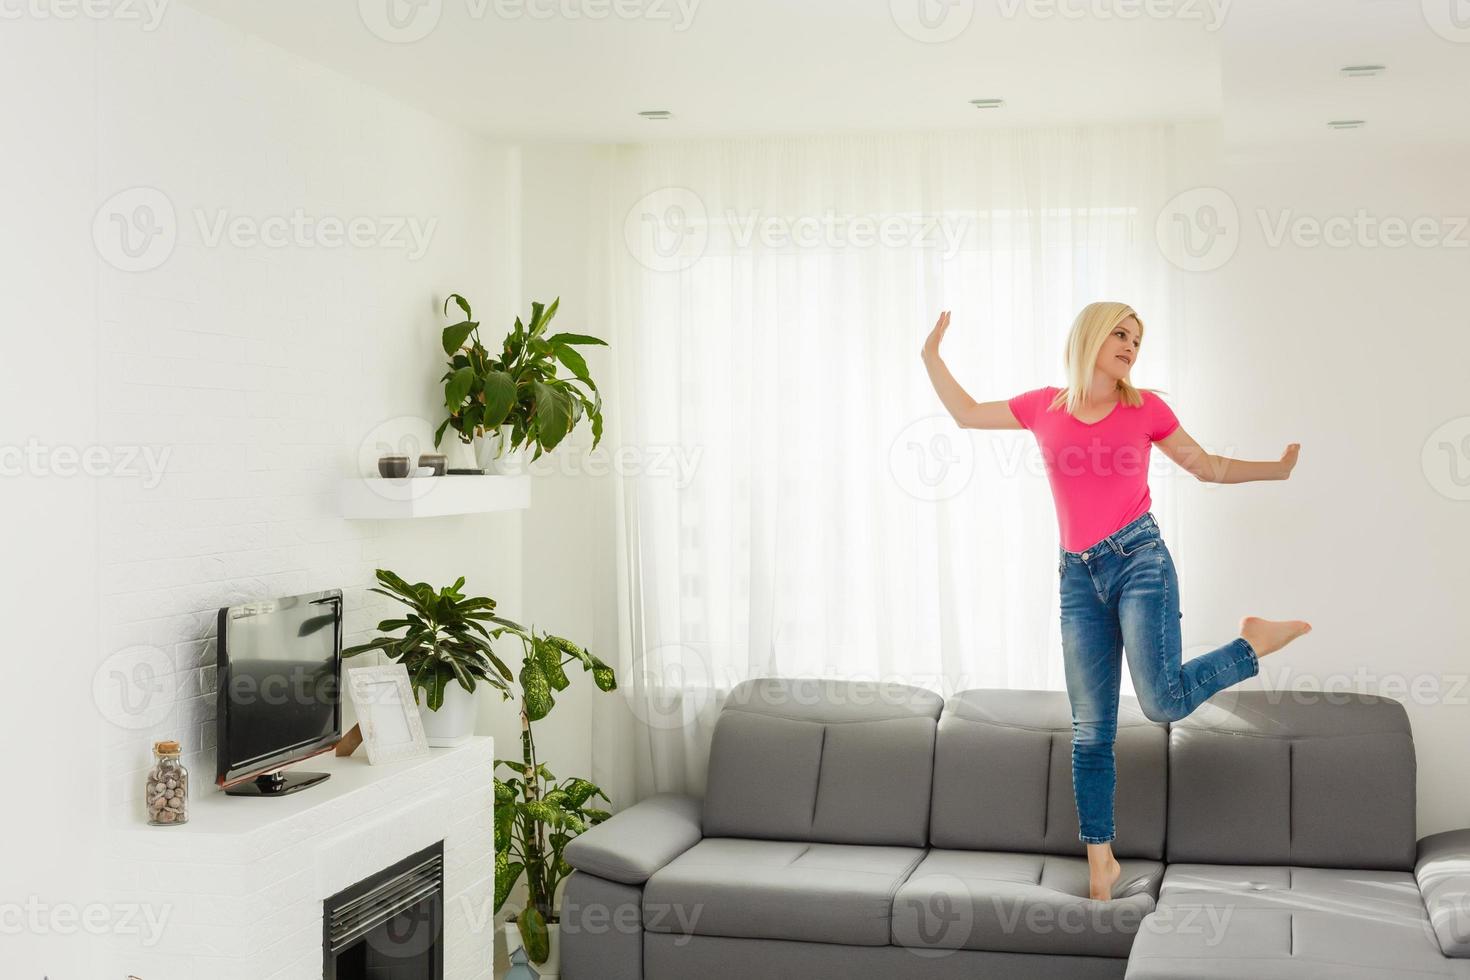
1288,459
931,343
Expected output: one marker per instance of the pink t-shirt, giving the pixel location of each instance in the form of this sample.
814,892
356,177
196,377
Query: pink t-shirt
1098,471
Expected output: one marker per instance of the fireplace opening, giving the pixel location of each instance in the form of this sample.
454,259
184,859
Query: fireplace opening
389,926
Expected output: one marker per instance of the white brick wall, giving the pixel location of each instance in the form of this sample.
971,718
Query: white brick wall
261,370
239,889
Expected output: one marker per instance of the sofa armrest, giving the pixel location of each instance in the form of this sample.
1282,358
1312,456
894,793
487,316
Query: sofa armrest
1443,872
631,845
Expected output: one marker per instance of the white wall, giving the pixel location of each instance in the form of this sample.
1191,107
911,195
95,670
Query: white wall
265,370
571,543
253,373
48,365
1359,354
569,539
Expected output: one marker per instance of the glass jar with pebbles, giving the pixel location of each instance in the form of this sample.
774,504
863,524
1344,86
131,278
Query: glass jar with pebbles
166,790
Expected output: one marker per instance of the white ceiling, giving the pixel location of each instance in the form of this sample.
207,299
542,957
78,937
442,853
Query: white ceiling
1267,68
1281,84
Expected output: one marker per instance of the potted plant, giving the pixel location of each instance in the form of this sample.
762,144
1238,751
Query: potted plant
517,397
446,647
536,815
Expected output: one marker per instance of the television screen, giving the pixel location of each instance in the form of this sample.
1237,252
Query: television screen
279,683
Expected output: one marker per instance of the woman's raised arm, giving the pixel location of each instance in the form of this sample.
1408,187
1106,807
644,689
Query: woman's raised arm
967,412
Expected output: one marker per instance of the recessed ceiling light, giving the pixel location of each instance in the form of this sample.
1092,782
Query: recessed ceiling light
1345,124
987,103
1362,71
656,114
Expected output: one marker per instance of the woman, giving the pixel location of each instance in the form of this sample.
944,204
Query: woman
1118,585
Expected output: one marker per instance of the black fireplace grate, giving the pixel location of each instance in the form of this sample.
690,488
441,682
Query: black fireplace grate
390,924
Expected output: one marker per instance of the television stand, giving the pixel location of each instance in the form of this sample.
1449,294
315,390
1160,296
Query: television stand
277,784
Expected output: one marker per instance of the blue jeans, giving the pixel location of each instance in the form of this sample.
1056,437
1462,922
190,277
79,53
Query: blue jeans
1122,594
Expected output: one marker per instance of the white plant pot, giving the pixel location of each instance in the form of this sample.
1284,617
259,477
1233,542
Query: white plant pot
551,969
454,722
509,462
458,454
487,448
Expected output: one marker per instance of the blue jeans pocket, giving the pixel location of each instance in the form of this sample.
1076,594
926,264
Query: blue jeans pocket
1140,544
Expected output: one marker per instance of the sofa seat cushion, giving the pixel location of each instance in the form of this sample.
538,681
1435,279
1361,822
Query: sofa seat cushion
1005,901
770,889
1275,922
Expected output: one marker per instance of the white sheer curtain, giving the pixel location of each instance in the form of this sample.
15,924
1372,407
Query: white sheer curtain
793,498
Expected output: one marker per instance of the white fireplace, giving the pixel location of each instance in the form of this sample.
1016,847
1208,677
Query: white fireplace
238,891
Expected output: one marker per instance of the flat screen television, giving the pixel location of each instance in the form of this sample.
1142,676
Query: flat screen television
280,672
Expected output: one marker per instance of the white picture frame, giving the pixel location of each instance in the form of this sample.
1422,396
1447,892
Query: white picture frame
386,713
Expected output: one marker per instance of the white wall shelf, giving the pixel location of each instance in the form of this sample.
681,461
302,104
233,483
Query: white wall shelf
374,498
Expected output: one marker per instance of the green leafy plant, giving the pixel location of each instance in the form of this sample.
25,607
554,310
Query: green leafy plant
535,815
520,386
445,639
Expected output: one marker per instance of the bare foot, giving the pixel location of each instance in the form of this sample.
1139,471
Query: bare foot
1269,635
1103,872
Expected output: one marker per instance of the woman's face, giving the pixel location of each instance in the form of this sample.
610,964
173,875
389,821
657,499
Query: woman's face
1120,350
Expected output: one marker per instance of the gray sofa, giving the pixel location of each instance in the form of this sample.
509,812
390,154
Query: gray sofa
860,830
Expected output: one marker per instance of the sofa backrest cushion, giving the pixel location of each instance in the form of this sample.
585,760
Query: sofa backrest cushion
1003,776
823,760
1293,777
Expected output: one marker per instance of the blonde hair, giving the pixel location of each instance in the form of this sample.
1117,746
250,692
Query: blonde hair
1089,331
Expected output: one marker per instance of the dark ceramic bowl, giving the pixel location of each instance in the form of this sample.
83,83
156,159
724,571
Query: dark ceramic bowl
392,467
435,461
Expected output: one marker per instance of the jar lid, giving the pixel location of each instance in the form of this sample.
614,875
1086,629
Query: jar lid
169,747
